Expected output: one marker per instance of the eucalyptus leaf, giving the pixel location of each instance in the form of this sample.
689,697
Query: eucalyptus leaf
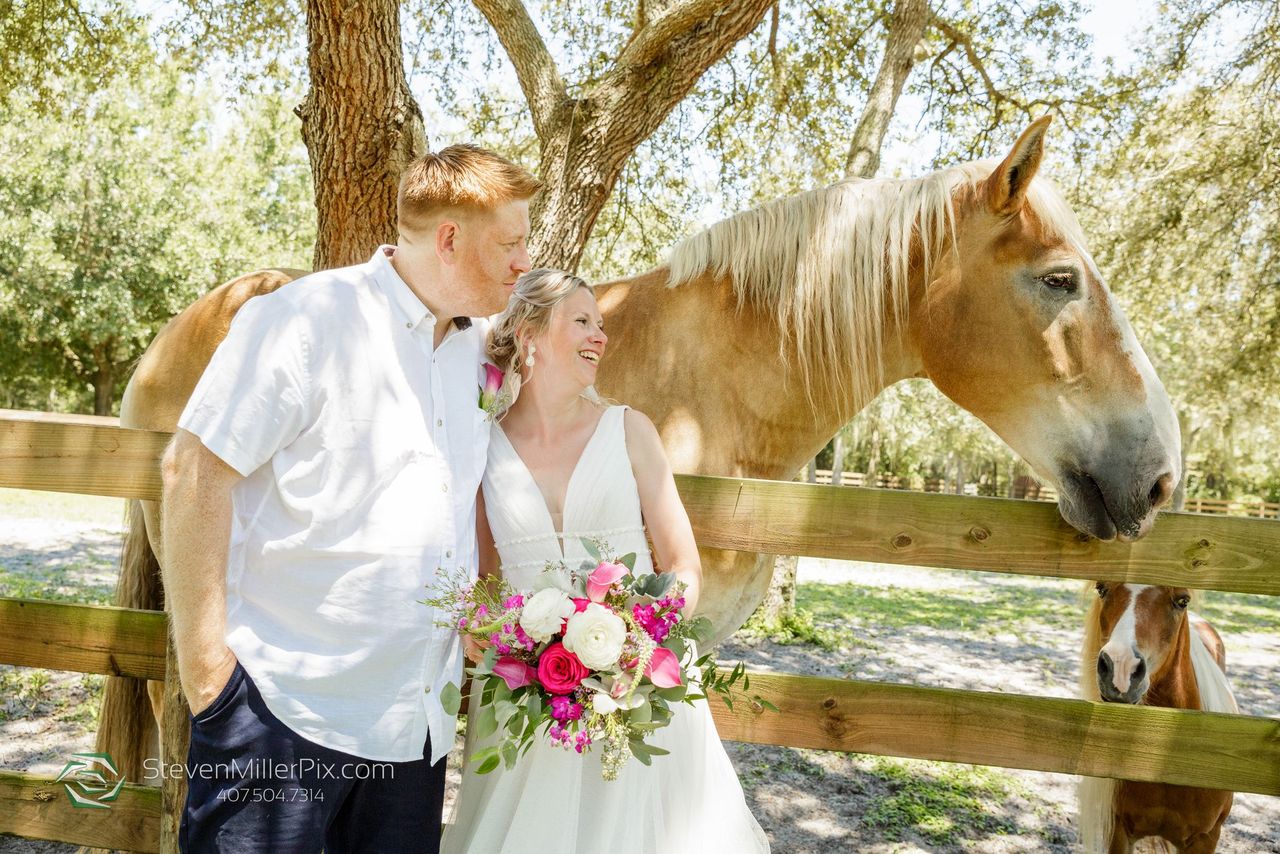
486,722
450,698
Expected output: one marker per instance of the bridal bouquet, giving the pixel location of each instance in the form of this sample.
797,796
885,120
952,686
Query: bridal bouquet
590,656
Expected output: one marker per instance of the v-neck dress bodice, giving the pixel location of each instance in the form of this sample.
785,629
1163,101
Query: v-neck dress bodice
553,800
601,502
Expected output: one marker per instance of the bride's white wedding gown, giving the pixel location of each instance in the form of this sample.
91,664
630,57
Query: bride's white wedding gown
554,801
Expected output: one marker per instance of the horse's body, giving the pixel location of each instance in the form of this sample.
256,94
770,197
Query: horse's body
769,331
1142,645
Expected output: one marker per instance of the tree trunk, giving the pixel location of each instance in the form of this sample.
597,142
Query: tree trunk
905,30
103,377
837,460
360,123
104,389
586,140
780,601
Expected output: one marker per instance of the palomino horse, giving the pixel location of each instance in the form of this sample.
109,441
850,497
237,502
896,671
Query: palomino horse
770,330
1142,645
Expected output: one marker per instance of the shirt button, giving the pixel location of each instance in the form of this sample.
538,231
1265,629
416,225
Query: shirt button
439,422
448,554
444,487
408,325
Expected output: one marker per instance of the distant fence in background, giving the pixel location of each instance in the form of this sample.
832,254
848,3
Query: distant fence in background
1029,488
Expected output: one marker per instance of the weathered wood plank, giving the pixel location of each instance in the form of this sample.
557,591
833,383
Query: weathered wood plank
1010,730
1003,535
848,523
78,454
38,808
82,638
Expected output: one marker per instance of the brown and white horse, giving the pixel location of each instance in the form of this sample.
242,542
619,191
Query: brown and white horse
767,332
1144,646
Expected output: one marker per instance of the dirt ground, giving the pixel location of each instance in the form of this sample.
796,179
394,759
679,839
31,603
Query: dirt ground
982,631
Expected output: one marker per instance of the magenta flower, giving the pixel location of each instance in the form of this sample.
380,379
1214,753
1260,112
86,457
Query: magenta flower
664,668
514,672
492,383
602,578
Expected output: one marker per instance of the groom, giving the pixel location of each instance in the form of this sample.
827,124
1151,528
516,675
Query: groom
324,471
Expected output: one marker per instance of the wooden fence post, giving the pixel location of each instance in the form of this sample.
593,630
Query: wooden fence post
175,736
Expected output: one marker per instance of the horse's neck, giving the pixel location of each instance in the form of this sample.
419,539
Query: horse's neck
714,380
1174,685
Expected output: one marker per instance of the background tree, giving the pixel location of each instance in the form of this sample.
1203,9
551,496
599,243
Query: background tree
122,203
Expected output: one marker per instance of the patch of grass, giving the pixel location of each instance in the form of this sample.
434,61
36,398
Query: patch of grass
22,689
100,510
54,583
939,801
1238,613
988,611
796,628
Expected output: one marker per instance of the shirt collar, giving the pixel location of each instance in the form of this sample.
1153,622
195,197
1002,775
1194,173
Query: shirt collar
399,294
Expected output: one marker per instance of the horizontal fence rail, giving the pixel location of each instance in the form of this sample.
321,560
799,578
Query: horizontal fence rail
36,807
773,517
1010,730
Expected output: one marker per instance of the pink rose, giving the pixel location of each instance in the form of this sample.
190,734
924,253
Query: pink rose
664,668
559,670
602,578
514,672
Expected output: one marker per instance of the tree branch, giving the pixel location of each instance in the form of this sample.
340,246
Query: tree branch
539,78
965,42
906,27
667,26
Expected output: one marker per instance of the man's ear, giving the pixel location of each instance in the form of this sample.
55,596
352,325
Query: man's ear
446,241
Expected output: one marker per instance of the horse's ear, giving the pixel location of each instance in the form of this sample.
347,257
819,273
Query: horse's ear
1007,186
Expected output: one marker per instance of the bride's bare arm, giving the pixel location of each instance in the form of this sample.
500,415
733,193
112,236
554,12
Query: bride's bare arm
664,514
487,558
486,551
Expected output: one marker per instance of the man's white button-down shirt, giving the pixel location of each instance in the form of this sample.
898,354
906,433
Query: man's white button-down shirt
362,447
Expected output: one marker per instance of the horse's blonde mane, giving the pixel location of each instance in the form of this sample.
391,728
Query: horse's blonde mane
1096,795
833,265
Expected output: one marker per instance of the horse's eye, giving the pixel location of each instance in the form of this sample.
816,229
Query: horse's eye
1101,588
1060,281
1182,601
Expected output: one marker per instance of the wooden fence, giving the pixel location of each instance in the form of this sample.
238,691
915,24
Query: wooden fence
1236,752
1029,488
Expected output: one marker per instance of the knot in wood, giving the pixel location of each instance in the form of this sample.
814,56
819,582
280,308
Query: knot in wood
979,533
1204,544
1199,562
829,703
901,541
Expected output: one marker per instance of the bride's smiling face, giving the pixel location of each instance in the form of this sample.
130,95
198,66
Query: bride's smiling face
574,341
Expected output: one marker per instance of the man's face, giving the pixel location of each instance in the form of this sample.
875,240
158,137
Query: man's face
491,254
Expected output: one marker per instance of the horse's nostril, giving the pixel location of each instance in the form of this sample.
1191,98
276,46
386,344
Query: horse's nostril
1104,665
1140,670
1162,490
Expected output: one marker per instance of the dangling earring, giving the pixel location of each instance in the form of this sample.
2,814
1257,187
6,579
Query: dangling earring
532,349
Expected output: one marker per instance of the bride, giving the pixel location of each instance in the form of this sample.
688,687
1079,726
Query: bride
564,466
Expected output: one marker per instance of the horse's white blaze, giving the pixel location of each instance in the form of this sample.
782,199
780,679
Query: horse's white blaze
1122,646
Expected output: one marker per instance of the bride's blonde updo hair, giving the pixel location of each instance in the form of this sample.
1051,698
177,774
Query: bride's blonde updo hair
536,295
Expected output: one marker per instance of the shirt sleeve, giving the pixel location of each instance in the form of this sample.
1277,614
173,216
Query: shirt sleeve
252,399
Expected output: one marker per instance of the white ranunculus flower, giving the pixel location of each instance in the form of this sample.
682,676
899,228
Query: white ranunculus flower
543,613
595,636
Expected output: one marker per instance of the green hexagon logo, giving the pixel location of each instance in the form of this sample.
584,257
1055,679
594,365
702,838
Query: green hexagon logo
91,780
